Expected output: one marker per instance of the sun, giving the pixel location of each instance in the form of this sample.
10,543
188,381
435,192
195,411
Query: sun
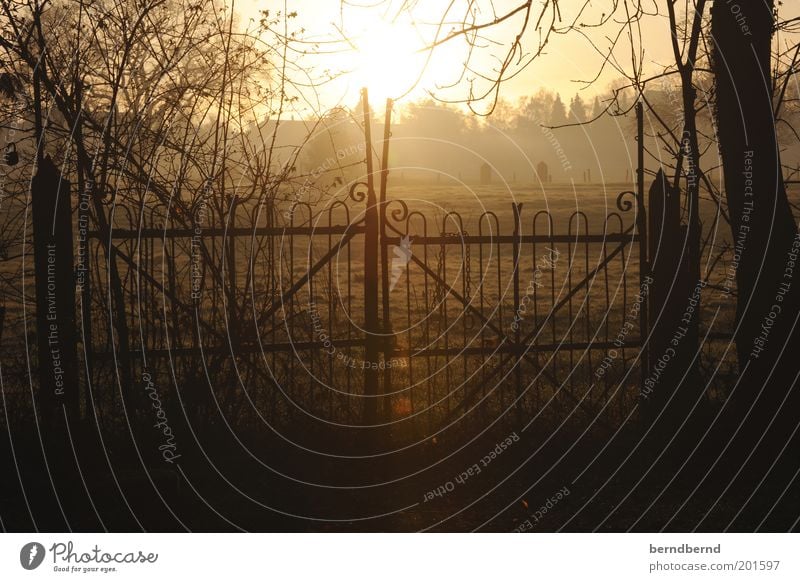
388,59
401,56
393,48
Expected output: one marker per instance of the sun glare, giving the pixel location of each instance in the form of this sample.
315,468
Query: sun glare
387,60
378,45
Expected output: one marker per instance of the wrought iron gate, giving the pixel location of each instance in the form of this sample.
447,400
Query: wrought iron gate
368,312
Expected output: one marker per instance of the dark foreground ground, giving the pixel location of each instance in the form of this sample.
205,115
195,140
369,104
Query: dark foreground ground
553,477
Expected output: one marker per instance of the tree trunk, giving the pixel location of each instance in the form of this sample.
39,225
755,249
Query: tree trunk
764,230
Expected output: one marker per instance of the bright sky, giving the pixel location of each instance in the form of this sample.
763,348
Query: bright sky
375,43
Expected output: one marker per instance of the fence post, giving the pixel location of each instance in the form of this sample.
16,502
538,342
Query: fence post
83,277
55,291
233,327
372,337
371,328
644,257
669,267
518,350
664,232
388,335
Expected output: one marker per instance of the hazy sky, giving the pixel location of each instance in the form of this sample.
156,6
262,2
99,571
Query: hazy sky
375,42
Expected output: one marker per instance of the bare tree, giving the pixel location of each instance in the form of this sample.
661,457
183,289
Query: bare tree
518,35
762,222
163,111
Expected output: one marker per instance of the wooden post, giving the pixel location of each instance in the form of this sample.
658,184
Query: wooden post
670,348
372,337
55,292
83,273
664,252
388,336
644,256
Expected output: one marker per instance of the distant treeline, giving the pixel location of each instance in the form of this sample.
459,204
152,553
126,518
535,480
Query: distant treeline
581,139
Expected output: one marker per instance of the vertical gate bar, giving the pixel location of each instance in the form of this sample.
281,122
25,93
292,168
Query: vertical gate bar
445,336
371,241
232,318
349,310
644,268
84,252
172,282
428,303
409,327
311,376
607,314
388,335
274,265
587,306
553,320
517,207
331,312
534,258
482,299
623,269
500,282
570,308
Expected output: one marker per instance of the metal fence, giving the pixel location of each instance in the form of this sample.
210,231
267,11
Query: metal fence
367,312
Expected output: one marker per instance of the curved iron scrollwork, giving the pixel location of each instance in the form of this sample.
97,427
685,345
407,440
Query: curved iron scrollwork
397,215
356,194
624,204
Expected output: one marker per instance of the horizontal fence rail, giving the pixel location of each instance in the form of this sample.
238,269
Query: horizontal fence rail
517,320
507,314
